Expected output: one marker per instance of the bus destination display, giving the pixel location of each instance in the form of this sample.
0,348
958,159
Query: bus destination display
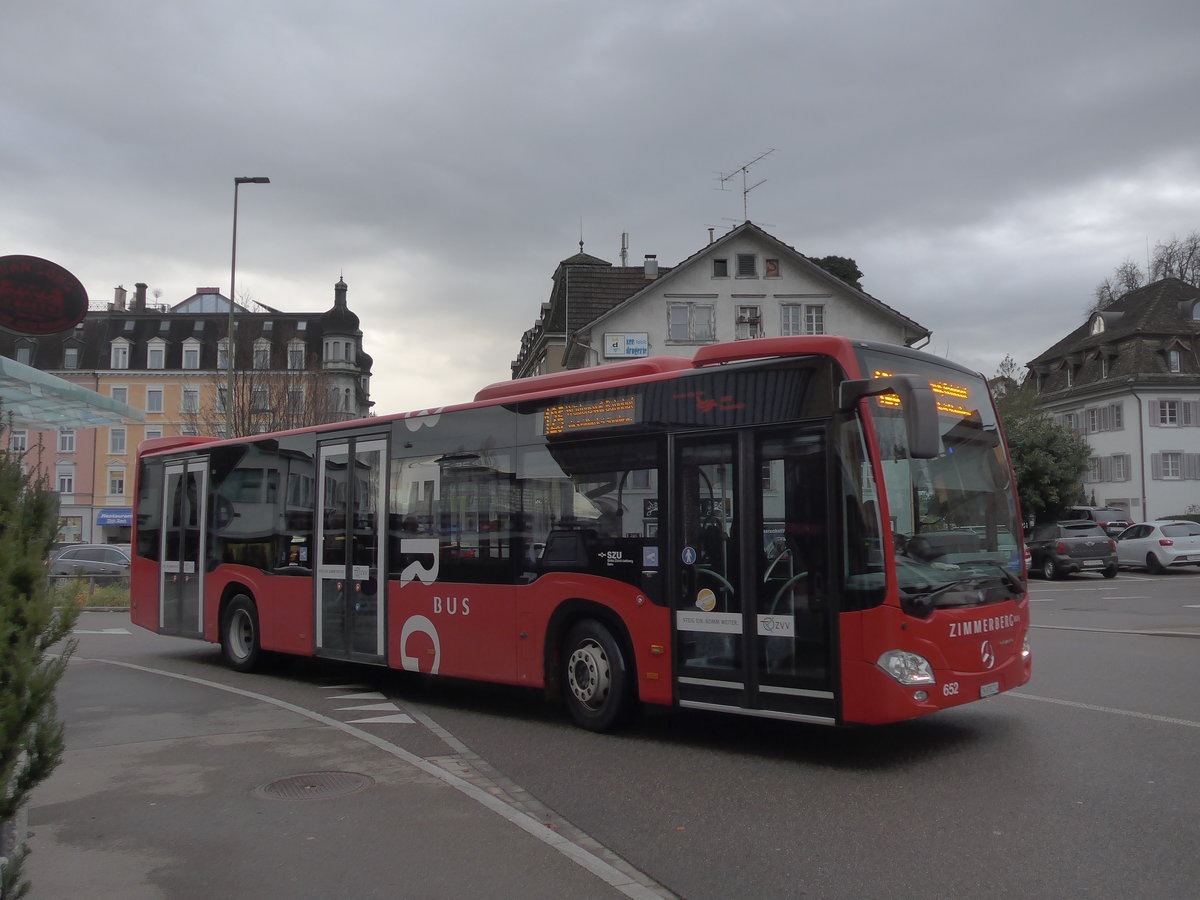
951,397
607,413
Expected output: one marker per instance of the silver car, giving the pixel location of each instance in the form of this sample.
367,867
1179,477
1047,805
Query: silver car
1159,546
92,559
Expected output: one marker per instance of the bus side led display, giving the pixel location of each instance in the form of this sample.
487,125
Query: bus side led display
950,397
605,413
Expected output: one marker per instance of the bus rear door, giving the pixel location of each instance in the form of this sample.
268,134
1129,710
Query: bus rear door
753,628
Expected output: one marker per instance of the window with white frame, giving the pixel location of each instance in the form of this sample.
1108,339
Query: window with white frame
1171,464
116,440
720,268
120,394
295,355
1168,413
259,401
791,319
154,399
295,399
66,440
191,354
25,353
691,323
814,319
1120,467
119,354
1103,366
116,481
748,323
1092,475
223,355
70,357
262,354
156,354
66,479
1173,362
153,433
18,440
191,401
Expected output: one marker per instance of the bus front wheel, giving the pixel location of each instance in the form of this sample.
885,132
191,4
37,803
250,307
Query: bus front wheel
239,634
595,677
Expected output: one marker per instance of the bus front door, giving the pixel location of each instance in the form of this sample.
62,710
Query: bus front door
753,629
351,582
183,548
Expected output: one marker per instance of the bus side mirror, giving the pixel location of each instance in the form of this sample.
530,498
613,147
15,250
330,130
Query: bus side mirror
916,402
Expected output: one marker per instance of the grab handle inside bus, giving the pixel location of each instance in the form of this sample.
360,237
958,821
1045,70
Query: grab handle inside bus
916,402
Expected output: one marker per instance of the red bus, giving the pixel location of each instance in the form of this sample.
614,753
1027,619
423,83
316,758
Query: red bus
810,528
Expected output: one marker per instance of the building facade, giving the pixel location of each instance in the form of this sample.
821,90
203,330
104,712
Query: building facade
746,284
1128,380
290,369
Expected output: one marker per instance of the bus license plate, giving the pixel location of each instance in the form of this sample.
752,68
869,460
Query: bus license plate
987,690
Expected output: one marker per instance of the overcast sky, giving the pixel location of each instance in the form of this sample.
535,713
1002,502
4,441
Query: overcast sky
987,164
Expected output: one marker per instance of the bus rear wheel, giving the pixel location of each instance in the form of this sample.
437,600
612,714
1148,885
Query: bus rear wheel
239,635
595,677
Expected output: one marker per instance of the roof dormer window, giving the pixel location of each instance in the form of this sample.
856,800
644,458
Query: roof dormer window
1097,324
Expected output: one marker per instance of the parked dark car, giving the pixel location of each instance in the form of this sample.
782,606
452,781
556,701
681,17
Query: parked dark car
1112,519
1061,548
92,559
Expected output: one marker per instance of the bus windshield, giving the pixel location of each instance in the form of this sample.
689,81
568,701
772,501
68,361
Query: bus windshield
953,518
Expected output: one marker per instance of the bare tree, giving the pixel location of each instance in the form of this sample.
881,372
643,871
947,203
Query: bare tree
1177,258
1128,276
270,400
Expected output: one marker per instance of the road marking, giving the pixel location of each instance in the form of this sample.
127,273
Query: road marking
605,871
370,707
1169,720
101,631
365,695
398,719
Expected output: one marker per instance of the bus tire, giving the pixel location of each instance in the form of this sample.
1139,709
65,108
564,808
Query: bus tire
240,642
595,677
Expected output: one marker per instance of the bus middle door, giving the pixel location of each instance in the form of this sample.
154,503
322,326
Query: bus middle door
183,548
351,582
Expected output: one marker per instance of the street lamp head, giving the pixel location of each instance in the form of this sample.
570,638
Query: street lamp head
260,179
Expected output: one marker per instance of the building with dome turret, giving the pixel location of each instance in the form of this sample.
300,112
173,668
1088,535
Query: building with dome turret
291,369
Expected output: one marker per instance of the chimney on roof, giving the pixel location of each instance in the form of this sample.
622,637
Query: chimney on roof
624,248
139,297
119,297
651,266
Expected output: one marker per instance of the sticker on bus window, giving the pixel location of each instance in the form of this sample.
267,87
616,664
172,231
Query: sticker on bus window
649,557
706,600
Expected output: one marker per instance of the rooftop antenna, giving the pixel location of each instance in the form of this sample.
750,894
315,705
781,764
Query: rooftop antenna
744,170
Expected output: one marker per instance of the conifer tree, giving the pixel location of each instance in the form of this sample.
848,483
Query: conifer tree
31,737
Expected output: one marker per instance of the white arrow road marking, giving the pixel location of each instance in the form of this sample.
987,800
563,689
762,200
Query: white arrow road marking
365,695
370,707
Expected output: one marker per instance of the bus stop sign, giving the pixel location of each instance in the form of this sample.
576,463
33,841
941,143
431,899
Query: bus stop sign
38,296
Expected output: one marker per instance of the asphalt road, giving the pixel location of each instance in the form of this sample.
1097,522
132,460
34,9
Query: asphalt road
1081,784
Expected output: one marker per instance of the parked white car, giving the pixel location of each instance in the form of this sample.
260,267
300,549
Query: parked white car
1159,546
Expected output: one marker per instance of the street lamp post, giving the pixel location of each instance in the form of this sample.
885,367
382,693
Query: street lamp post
237,183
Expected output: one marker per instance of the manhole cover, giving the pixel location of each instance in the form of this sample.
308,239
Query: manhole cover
315,786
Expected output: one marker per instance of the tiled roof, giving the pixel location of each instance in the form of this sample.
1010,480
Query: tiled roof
1139,328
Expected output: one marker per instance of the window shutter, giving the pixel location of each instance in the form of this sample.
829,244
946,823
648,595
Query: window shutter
1154,414
1191,466
1190,412
1155,464
1106,468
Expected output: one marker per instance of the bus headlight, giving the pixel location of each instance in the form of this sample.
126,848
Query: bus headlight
1025,651
906,668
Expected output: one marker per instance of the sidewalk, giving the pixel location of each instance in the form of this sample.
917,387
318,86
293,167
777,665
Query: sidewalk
181,789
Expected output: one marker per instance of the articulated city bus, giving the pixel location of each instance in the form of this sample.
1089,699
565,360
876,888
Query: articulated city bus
811,529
